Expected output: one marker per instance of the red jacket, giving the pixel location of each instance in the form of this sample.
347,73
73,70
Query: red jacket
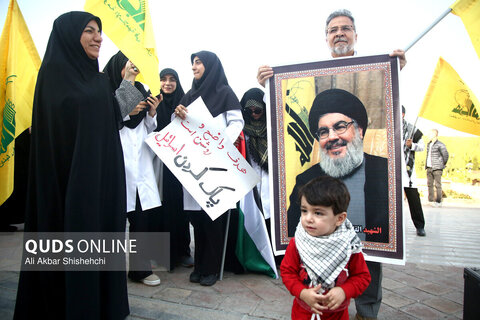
294,276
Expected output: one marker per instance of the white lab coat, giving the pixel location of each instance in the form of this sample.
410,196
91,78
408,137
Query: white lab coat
138,158
232,122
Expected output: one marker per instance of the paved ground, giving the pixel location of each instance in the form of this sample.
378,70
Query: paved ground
429,286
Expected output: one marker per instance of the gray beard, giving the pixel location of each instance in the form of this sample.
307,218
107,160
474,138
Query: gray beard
341,50
340,167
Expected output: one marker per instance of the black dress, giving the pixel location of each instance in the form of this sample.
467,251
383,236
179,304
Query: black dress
77,177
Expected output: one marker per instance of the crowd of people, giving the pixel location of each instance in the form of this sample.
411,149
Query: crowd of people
91,171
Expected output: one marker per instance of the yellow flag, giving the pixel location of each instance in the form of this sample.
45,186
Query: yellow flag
298,95
450,102
469,12
19,64
129,25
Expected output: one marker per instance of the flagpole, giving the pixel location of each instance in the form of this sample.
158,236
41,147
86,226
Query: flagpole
225,246
443,15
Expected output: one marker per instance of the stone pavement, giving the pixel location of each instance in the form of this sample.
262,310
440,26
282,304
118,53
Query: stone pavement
429,286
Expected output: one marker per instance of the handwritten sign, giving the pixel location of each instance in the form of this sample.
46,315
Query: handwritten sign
204,160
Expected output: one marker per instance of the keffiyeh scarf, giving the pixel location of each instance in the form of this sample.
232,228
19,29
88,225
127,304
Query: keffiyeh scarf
256,130
410,132
325,257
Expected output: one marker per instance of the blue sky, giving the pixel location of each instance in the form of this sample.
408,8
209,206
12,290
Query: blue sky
246,34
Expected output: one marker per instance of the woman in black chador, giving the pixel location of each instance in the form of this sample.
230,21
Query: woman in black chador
77,176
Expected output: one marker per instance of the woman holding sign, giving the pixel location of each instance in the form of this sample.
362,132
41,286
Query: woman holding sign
210,83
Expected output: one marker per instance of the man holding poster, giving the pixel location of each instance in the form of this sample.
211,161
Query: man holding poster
341,38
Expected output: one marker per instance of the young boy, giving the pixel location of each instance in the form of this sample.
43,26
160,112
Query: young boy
323,265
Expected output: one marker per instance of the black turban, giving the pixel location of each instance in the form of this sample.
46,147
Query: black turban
337,101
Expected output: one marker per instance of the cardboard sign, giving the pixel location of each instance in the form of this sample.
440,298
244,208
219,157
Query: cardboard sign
204,160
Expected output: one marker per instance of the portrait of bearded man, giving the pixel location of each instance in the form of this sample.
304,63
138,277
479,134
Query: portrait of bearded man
338,120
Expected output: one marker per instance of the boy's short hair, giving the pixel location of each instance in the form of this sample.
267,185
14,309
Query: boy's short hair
326,191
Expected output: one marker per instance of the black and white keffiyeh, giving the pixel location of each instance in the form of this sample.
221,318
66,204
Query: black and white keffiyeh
325,257
256,130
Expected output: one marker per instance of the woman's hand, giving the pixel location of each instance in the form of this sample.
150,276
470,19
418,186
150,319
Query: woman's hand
139,108
153,102
181,112
131,71
238,141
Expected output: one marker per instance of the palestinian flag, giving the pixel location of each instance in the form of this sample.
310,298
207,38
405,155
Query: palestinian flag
253,244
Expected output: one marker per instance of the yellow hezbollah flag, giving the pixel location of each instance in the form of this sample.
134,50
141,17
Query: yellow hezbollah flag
19,64
129,25
297,96
450,102
469,12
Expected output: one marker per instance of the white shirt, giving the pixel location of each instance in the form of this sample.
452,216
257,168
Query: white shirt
138,158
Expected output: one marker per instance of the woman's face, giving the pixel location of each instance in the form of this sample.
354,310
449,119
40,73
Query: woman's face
168,83
256,112
198,68
91,40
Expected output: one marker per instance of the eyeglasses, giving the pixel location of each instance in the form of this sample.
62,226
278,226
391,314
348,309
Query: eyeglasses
345,29
256,111
339,128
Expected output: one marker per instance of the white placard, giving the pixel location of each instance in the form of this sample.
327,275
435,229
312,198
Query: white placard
204,160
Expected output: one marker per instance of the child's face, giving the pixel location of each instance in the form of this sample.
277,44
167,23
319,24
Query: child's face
319,220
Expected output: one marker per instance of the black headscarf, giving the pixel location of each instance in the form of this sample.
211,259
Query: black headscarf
77,176
113,69
212,87
61,50
170,100
256,130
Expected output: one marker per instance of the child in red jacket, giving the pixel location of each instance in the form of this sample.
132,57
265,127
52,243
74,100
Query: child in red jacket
323,265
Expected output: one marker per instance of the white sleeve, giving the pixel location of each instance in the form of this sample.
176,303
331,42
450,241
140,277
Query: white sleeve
150,122
235,124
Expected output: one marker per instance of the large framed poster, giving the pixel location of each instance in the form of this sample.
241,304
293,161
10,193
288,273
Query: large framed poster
341,118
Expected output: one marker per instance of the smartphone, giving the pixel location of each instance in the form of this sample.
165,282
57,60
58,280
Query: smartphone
147,108
146,98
